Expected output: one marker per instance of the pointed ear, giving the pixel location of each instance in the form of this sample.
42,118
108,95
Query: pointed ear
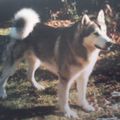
101,21
85,20
101,17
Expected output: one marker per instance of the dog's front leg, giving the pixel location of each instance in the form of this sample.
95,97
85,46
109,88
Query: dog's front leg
63,94
82,89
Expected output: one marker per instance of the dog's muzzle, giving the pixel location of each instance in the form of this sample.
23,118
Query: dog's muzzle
108,46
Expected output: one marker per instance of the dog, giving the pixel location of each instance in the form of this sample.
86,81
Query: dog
70,53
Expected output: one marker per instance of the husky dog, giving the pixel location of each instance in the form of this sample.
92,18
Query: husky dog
69,52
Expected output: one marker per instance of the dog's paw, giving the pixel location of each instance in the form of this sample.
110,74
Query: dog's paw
87,107
39,87
66,110
71,114
3,93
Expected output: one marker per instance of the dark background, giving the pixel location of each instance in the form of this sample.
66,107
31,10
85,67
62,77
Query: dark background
9,7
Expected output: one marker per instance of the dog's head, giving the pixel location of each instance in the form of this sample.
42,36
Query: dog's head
94,33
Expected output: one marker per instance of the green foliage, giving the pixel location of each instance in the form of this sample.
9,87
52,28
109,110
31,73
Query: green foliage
70,10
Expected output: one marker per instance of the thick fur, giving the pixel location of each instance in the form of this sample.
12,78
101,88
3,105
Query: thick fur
24,22
70,53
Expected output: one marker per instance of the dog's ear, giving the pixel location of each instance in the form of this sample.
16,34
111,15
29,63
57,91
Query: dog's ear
85,20
101,21
101,17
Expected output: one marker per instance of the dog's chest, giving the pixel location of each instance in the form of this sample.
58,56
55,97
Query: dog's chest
87,66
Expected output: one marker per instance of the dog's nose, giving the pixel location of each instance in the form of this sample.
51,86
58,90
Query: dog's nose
109,44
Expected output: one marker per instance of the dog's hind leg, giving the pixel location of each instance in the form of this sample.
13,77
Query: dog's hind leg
11,57
8,70
82,89
63,94
33,65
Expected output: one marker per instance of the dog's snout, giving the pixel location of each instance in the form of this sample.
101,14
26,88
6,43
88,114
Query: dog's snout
108,44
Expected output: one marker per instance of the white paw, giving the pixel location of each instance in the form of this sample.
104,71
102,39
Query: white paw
71,114
68,112
3,93
39,87
87,107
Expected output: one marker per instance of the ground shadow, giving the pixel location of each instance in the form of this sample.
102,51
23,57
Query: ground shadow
24,113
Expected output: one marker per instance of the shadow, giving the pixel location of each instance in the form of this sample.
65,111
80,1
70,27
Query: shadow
107,70
24,113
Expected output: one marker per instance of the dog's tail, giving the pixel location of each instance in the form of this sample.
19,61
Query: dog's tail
24,23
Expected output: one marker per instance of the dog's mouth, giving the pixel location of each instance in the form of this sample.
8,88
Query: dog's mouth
107,47
98,47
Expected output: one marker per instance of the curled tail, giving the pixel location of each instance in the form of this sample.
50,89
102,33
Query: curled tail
24,23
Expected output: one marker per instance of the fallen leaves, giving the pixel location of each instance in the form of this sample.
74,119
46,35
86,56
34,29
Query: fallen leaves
59,23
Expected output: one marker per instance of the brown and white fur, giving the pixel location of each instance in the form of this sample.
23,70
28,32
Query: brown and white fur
70,52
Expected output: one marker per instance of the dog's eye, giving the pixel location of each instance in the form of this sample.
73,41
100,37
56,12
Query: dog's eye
96,34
